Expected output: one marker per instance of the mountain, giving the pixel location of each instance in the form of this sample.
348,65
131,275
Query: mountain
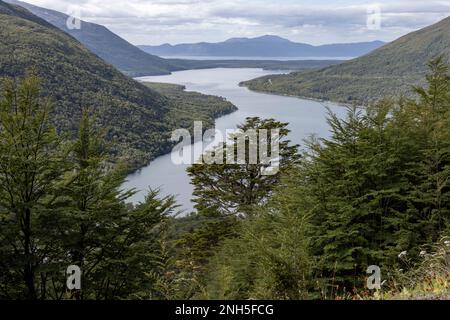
387,71
104,43
139,120
135,62
265,46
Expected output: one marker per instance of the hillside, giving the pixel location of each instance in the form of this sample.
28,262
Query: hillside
75,78
104,43
265,46
389,70
191,105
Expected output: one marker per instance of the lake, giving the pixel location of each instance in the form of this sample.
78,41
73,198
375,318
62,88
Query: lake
305,117
253,58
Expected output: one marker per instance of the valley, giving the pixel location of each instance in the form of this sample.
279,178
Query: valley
327,176
305,118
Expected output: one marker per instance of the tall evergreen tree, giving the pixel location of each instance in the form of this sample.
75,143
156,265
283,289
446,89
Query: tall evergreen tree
380,184
94,203
433,111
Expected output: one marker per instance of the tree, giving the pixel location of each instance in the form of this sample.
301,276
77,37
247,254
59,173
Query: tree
32,164
117,246
354,179
133,268
93,205
61,203
227,191
232,189
379,184
269,258
432,195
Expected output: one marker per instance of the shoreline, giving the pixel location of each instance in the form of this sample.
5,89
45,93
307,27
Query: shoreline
167,147
326,103
343,104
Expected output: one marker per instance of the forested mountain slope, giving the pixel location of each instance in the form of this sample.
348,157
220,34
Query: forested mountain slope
75,78
389,70
106,44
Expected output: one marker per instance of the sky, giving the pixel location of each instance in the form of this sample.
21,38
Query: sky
309,21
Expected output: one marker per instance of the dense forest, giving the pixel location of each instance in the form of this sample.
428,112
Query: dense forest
188,107
375,193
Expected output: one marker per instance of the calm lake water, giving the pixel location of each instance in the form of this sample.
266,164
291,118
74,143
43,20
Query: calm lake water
254,58
305,117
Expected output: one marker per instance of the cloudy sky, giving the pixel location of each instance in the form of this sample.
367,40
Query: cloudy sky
309,21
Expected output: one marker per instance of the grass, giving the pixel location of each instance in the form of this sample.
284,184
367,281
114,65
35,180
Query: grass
428,279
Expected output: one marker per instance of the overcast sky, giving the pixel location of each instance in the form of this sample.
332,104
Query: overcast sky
309,21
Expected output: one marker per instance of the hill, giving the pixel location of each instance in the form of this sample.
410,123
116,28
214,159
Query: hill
104,43
265,46
136,116
189,105
389,70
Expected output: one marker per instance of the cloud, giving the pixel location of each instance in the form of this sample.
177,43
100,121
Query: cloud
320,21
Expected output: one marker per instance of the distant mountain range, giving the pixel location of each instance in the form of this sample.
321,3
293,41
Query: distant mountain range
388,71
134,62
265,46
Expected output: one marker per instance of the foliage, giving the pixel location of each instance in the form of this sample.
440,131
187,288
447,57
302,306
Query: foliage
61,204
135,116
32,162
270,258
386,72
233,188
377,187
187,107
